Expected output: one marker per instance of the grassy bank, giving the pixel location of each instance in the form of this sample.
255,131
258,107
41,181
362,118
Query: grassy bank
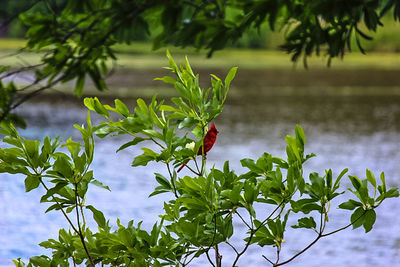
139,56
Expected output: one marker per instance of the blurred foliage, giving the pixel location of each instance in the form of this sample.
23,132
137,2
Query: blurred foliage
76,38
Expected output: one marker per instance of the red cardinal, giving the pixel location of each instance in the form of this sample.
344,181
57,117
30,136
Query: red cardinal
209,140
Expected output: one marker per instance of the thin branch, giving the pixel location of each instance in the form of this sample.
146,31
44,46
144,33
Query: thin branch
82,238
344,227
267,259
269,217
320,235
234,249
253,231
187,263
61,208
209,259
243,220
172,180
278,252
299,253
19,70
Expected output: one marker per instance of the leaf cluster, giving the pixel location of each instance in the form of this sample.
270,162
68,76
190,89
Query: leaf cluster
208,207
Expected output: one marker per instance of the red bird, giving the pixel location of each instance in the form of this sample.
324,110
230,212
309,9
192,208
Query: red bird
209,140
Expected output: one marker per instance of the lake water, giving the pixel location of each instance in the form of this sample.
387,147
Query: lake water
357,128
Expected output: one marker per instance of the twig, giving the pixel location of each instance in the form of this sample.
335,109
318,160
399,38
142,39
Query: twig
234,249
172,180
21,69
267,259
320,235
82,238
240,216
253,231
209,259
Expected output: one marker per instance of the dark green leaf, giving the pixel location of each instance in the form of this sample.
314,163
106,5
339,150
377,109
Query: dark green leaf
131,143
371,177
98,216
350,204
357,218
306,222
32,182
369,220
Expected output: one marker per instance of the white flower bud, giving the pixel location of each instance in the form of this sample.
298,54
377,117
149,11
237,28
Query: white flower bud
190,145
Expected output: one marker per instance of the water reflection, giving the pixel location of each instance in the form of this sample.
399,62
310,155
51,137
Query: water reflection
344,130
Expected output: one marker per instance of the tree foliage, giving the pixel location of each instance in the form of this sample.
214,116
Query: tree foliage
76,38
208,207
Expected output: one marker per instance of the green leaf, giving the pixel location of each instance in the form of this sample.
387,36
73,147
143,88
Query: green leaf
306,222
80,83
121,108
12,141
369,220
98,216
100,184
350,205
42,261
32,148
355,181
63,167
382,187
229,77
32,182
99,108
166,79
371,178
250,192
305,205
337,182
131,143
142,106
393,192
300,135
357,218
163,181
291,141
142,160
251,165
89,103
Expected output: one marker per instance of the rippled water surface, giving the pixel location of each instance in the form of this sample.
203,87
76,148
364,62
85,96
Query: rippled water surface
345,130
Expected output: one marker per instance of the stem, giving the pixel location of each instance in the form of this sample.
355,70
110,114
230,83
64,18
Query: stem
234,249
189,261
269,217
73,261
344,227
79,226
268,259
62,210
240,216
278,252
209,259
156,142
320,235
300,252
21,69
197,165
253,231
172,180
218,257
